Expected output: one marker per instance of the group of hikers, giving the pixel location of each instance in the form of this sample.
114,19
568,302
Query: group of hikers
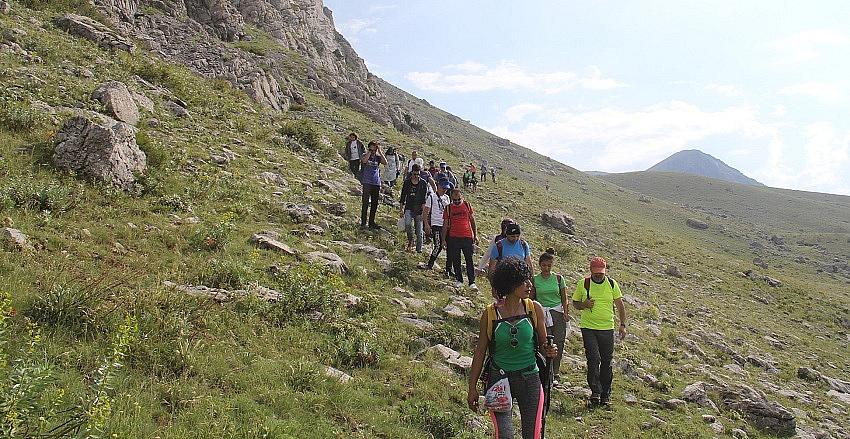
522,333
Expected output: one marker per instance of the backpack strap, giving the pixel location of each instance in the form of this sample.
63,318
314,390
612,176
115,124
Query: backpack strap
524,246
499,248
560,281
587,285
491,318
531,312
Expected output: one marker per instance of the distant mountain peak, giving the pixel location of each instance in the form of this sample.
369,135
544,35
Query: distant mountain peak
694,161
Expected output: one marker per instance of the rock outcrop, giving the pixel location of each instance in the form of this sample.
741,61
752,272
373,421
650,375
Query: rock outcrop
92,30
14,239
118,100
559,220
696,224
753,405
102,148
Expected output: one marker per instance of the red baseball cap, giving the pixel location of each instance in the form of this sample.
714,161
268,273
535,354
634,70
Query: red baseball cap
598,265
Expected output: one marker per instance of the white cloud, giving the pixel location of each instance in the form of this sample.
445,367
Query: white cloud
779,111
476,77
617,140
826,92
381,8
807,45
355,26
724,89
518,112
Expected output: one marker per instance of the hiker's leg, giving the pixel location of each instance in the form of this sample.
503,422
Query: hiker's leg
408,227
438,245
591,352
417,221
454,256
467,256
503,423
375,196
606,354
528,392
559,330
364,204
354,167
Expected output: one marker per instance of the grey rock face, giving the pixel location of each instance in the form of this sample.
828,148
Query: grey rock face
177,109
300,212
559,221
764,414
219,15
696,393
330,260
269,240
118,100
120,10
102,149
92,30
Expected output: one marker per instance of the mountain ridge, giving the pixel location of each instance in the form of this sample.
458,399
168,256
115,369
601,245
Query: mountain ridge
696,162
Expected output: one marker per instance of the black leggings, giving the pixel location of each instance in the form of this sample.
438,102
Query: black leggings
455,247
599,350
371,194
354,167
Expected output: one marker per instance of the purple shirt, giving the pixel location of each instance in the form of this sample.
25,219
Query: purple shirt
370,173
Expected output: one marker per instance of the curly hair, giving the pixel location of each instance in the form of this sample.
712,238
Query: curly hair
509,274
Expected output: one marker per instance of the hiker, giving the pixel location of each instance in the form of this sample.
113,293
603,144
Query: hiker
484,262
352,152
473,181
413,193
432,168
370,176
512,334
483,172
432,214
414,160
442,173
550,290
513,246
393,168
596,297
492,174
467,180
452,176
459,234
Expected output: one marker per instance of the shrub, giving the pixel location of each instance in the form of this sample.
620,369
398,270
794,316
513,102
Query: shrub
17,116
430,418
174,203
212,235
296,107
156,155
227,274
354,347
450,336
302,376
307,291
32,194
165,328
305,132
69,307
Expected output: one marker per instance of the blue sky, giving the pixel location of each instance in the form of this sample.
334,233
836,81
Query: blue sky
618,86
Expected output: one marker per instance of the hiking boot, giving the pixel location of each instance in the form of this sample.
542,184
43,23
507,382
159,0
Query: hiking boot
374,227
605,401
473,287
594,400
423,266
362,226
459,285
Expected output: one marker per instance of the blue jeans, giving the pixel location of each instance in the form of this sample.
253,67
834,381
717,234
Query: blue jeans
412,220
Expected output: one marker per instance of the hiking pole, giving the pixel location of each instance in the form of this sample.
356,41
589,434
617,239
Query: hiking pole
547,394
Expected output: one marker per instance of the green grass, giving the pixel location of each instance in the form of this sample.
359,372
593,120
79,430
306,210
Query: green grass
247,368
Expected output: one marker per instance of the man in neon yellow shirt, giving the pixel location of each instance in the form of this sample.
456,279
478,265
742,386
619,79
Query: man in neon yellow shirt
596,297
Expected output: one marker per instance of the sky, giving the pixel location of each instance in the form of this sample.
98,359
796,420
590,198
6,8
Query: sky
618,86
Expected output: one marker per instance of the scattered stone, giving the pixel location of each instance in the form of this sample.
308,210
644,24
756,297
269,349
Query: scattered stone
673,270
754,406
833,383
453,311
766,364
759,262
734,368
717,427
777,240
349,300
312,228
674,404
337,209
644,199
696,224
709,419
177,109
300,212
103,149
92,30
16,240
337,374
630,399
453,357
118,100
330,260
419,324
5,8
273,178
222,295
775,283
841,396
696,393
739,434
153,122
269,240
559,221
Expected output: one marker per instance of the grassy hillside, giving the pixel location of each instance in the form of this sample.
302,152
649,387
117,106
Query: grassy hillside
92,327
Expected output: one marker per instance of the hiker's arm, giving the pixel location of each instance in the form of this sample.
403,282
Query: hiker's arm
447,224
474,228
381,157
477,362
564,302
365,157
530,264
491,266
621,313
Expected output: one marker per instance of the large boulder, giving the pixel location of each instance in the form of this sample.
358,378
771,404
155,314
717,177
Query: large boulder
696,393
101,148
118,100
560,221
92,30
15,239
754,406
696,224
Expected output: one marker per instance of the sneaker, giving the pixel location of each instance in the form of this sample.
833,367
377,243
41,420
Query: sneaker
605,402
594,400
423,266
459,285
374,227
473,287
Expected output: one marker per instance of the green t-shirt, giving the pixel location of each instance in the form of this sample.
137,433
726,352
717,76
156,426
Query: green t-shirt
510,358
601,316
549,290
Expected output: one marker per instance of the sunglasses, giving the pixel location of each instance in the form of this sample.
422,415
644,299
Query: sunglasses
514,341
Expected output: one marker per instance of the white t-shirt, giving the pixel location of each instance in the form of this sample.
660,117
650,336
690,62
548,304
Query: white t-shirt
418,161
355,153
437,204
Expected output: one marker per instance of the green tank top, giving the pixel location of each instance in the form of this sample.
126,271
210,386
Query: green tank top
509,358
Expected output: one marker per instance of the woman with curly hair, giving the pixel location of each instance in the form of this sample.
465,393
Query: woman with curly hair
512,339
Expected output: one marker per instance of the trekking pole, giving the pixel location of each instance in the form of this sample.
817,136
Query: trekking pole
547,394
